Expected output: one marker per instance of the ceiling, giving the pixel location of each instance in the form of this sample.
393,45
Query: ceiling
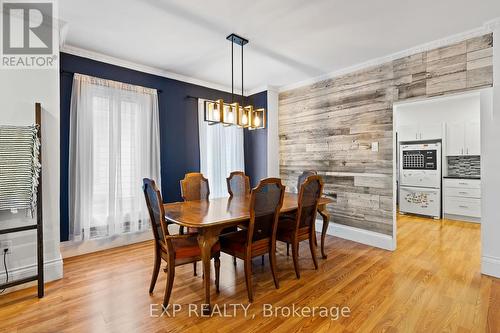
290,40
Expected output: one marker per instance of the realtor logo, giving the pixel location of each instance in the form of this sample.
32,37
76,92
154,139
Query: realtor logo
27,34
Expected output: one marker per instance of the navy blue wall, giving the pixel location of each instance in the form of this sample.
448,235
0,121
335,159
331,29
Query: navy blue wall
178,125
256,145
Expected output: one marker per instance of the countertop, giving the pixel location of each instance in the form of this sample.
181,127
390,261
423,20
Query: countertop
462,177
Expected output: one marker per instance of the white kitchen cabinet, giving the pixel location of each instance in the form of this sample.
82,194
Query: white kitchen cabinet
455,138
463,138
473,138
420,132
431,131
408,133
462,199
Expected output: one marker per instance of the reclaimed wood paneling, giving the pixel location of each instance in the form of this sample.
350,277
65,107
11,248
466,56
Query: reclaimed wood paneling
330,125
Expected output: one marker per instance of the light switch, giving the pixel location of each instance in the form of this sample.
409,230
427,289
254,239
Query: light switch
375,146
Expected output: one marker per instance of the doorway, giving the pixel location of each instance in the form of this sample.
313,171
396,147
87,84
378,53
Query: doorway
437,152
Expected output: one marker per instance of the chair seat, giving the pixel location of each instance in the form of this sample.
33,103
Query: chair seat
286,230
234,243
188,247
190,230
289,215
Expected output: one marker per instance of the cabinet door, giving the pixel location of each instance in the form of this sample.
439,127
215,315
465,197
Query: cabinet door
408,133
455,140
472,138
431,131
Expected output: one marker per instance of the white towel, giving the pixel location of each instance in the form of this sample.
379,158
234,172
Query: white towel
19,167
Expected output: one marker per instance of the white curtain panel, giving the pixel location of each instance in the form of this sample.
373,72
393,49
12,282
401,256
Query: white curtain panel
221,152
114,144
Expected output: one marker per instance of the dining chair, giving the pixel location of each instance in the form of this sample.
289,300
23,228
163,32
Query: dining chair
260,236
176,250
302,227
291,215
194,186
303,176
238,184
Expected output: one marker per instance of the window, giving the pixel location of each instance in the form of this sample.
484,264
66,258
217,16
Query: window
221,152
114,144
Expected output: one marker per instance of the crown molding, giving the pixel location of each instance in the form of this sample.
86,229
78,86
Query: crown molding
142,68
261,89
487,27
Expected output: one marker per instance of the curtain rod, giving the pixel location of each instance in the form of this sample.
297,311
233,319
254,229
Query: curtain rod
72,73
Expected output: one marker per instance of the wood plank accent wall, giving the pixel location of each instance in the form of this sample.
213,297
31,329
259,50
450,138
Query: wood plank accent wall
329,126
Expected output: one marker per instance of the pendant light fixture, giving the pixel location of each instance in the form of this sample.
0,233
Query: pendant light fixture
235,113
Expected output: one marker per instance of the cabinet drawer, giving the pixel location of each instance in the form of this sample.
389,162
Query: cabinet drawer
463,206
463,192
462,183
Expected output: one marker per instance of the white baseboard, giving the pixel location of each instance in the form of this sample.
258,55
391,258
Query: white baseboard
53,270
76,248
371,238
490,266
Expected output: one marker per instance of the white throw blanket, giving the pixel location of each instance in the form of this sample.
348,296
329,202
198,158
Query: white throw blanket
19,167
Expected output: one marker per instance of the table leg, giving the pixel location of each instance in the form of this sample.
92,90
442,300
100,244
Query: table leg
207,237
326,220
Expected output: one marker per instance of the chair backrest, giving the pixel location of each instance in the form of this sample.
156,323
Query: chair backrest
309,195
194,186
154,203
265,205
303,176
238,184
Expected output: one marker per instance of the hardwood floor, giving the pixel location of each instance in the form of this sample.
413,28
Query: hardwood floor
431,283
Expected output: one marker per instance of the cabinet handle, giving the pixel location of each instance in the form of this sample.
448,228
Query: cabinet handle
463,183
461,206
463,192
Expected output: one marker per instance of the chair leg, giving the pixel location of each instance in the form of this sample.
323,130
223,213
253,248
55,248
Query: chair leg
248,278
295,255
272,259
312,247
156,269
181,230
194,268
262,261
287,249
217,272
170,282
234,261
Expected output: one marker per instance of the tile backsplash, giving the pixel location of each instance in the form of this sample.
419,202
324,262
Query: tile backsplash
464,166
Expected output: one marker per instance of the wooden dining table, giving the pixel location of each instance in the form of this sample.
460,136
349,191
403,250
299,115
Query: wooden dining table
211,216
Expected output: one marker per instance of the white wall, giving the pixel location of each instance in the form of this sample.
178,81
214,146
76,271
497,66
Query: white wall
490,167
273,152
19,90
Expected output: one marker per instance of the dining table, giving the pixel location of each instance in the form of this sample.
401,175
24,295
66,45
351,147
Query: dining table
211,216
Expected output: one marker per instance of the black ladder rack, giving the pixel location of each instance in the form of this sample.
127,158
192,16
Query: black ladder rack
39,222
